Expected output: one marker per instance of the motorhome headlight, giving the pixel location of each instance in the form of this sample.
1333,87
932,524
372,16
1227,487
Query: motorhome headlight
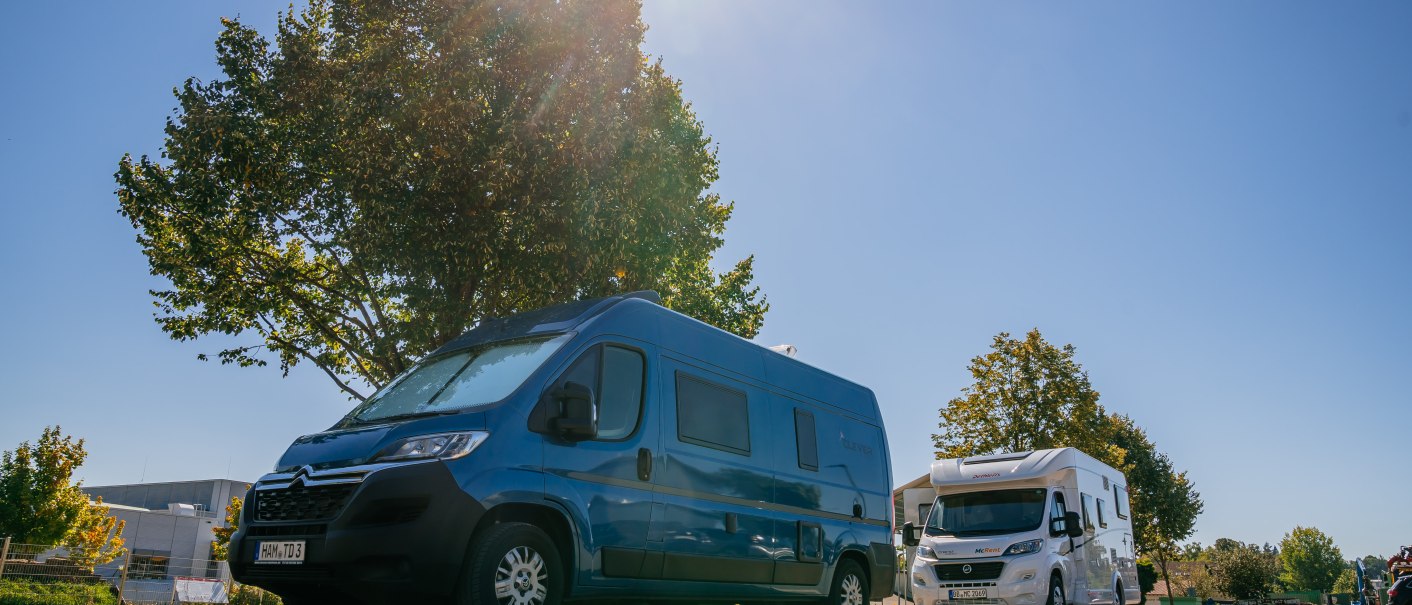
441,445
925,552
1024,548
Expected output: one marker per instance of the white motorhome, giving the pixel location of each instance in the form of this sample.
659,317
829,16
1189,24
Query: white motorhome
1049,527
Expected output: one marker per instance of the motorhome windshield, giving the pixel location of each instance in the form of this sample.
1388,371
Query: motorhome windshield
987,513
458,380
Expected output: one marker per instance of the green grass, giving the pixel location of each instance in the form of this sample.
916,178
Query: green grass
27,592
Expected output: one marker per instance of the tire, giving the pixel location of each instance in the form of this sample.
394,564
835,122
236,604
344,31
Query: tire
850,585
1056,590
512,564
1118,597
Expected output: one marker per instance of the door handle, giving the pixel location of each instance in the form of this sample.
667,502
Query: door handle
644,464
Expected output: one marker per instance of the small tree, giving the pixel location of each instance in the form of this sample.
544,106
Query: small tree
1243,571
41,505
1347,581
220,547
1310,560
96,537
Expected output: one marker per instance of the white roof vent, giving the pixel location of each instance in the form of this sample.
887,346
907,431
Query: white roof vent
786,350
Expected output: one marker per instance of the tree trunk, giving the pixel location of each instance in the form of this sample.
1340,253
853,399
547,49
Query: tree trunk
1162,560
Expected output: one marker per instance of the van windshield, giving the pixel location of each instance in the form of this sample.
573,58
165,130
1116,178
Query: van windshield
457,380
998,512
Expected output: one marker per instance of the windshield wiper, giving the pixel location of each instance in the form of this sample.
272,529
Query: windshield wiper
395,417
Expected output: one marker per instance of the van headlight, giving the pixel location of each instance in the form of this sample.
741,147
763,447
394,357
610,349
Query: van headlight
1024,548
925,552
445,446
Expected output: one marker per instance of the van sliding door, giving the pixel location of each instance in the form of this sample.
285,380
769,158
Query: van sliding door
715,482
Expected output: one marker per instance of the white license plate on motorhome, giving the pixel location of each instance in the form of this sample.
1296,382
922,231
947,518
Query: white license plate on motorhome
280,552
968,593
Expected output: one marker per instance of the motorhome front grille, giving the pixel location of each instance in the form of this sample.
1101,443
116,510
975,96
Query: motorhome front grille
301,503
968,572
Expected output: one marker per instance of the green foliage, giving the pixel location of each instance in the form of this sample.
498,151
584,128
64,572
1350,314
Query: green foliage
1376,565
220,547
1165,503
385,175
1146,577
1243,571
1347,581
27,592
242,594
1310,561
1027,395
41,504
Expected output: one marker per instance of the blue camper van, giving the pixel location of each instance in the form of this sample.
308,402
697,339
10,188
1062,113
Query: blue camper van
605,449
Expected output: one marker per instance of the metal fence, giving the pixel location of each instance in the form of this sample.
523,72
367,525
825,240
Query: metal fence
32,574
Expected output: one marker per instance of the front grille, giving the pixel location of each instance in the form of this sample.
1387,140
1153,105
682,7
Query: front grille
301,502
956,572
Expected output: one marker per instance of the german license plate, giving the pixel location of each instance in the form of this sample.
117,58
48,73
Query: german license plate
968,593
286,553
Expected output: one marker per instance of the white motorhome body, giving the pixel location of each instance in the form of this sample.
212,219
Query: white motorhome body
998,532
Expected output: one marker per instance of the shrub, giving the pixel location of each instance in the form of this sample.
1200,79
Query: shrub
28,592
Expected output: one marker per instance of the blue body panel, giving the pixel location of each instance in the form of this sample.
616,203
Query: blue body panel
754,522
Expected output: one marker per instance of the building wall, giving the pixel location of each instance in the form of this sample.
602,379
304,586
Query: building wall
210,494
163,542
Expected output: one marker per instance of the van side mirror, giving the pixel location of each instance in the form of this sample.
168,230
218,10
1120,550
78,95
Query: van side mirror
1073,524
911,535
578,416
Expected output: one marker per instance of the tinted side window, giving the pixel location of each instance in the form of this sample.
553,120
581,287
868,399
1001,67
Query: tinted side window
1120,501
619,393
1059,508
806,439
1088,513
1102,518
713,416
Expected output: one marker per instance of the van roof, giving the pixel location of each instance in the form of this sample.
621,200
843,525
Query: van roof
1028,467
557,318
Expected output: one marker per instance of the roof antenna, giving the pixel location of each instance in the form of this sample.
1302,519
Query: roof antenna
786,350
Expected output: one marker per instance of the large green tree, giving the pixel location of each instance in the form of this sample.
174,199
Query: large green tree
386,174
1027,394
1310,561
41,504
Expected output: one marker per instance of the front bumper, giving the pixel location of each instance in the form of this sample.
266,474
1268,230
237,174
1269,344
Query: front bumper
1020,582
375,534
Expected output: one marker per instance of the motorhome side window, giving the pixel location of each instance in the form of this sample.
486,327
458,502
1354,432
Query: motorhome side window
1102,516
1120,501
806,439
1088,513
616,374
1059,508
711,415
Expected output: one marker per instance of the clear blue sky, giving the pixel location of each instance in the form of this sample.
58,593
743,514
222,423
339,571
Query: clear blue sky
1210,200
